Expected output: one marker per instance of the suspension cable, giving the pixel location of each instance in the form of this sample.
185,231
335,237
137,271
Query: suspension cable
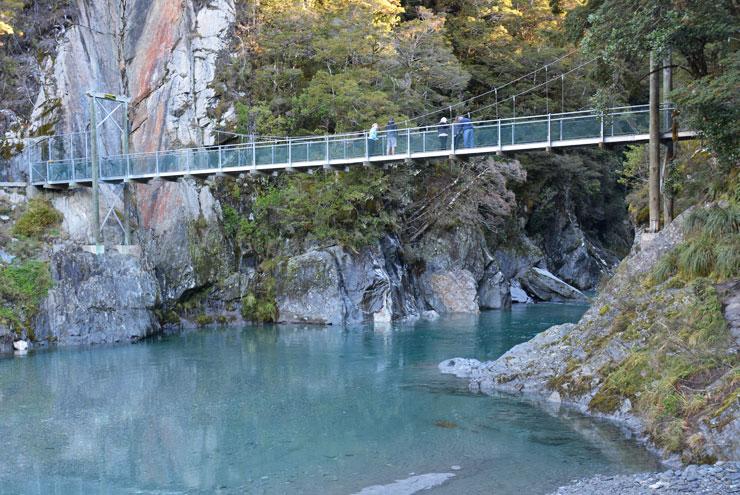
560,76
494,90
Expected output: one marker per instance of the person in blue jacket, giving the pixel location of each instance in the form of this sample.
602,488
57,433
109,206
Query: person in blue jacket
466,127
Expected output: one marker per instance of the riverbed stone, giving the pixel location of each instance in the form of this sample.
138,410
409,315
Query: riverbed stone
720,479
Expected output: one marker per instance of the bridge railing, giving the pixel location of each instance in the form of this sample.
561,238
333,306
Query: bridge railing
356,147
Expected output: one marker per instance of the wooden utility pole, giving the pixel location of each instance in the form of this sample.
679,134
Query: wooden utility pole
654,146
667,188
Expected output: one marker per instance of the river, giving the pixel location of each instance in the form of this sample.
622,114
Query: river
295,409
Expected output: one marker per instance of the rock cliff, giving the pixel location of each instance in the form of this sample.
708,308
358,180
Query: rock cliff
161,54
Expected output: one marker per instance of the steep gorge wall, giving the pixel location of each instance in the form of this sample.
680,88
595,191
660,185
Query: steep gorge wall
161,54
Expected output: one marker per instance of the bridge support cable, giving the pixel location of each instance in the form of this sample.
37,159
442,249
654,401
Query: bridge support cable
654,146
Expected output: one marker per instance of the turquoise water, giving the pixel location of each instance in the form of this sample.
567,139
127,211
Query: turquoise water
293,409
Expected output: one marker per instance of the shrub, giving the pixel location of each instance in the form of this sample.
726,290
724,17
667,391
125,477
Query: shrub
37,219
22,288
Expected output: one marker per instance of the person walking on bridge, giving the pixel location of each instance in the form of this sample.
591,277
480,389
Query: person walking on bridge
443,131
391,130
372,140
466,127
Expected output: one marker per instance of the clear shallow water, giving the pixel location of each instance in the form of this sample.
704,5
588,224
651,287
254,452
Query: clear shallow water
292,410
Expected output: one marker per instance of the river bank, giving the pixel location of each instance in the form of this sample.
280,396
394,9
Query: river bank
653,355
720,479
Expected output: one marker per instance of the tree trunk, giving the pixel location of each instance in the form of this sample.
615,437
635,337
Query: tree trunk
670,147
654,147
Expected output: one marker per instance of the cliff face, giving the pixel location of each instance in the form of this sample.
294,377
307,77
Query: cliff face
161,54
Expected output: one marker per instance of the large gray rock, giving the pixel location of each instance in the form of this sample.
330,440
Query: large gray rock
334,286
308,290
97,299
6,339
494,291
453,291
544,286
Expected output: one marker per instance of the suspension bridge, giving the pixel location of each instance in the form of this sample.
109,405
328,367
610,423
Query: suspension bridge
541,132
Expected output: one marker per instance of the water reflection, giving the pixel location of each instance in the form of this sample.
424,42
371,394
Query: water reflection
291,409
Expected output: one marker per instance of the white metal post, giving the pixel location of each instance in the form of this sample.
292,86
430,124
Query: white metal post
453,135
549,134
254,154
408,141
367,149
499,135
326,139
220,158
290,152
156,162
601,130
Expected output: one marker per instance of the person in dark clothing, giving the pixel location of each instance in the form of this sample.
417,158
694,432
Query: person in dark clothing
391,130
466,129
443,131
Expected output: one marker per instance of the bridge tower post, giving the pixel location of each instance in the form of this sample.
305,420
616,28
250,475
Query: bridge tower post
669,145
98,238
99,100
654,146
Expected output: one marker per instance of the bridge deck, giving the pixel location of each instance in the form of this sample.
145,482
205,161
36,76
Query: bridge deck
618,125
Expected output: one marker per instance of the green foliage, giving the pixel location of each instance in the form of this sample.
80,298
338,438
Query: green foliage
203,320
711,248
712,106
22,288
344,208
37,219
262,309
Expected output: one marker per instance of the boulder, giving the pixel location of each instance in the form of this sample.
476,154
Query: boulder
454,291
20,345
494,291
97,299
6,339
518,295
308,290
544,286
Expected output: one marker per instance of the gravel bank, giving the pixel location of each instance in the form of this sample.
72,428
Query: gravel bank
719,479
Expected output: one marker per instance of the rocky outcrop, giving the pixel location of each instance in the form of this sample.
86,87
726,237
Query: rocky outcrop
6,339
333,286
599,364
494,291
179,229
97,299
309,290
453,291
